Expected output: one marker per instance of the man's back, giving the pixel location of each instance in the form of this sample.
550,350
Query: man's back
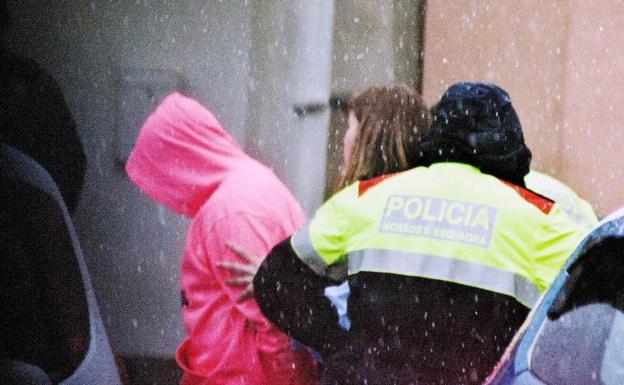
444,263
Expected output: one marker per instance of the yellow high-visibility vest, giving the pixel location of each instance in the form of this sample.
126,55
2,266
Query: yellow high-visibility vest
446,222
577,208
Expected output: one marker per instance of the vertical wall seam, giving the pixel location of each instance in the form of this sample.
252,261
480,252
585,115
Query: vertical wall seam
561,156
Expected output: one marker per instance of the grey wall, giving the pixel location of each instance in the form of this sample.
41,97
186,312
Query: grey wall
291,56
375,42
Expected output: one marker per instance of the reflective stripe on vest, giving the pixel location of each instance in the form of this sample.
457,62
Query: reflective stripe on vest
302,245
445,269
418,265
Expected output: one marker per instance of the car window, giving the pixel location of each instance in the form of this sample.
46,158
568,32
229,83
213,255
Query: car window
581,340
612,371
570,350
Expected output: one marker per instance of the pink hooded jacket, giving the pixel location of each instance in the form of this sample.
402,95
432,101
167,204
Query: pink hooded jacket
184,160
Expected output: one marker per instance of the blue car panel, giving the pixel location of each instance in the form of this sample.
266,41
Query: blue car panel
575,335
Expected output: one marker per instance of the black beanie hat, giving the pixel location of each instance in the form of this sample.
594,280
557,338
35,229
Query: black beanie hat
475,123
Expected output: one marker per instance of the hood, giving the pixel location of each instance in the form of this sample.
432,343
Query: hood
182,155
475,123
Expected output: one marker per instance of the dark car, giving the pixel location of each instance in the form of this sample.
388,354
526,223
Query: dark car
576,333
51,331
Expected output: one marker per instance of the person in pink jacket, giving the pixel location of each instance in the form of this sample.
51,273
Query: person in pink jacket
184,160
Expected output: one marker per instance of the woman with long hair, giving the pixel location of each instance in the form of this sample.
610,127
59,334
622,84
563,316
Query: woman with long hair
385,124
384,127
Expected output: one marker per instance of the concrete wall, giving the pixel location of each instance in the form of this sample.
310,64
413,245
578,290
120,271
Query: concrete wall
375,43
291,67
559,61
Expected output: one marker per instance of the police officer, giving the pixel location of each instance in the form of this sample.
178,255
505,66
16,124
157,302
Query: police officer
444,260
577,208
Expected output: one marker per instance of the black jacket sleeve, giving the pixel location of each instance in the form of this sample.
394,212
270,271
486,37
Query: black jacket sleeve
292,296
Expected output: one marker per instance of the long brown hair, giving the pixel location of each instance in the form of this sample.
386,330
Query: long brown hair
391,121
